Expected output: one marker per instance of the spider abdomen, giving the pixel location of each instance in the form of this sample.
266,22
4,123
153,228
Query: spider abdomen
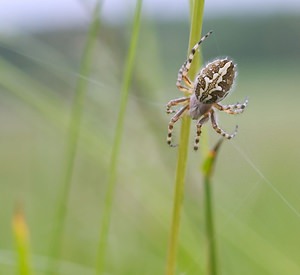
214,81
197,109
203,95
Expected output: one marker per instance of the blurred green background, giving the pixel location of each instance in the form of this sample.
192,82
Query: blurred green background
256,183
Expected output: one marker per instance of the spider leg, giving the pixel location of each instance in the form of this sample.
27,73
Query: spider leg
198,133
175,102
232,109
173,120
217,127
183,71
184,78
184,89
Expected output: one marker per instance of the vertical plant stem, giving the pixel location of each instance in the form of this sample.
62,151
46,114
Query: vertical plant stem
112,172
195,33
208,168
21,234
73,134
209,226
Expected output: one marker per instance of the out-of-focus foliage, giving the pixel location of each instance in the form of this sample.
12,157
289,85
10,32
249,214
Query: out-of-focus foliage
257,232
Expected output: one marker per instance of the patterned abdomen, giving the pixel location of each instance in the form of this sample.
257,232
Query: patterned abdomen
214,81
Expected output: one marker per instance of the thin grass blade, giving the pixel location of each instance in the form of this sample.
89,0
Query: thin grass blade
207,169
112,172
195,34
21,234
73,135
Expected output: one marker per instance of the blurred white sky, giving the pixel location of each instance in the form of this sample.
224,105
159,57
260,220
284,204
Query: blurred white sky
31,14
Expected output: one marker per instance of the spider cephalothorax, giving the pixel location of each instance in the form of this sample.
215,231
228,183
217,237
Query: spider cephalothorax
212,85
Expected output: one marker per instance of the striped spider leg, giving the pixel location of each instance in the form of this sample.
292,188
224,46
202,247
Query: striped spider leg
188,89
232,109
183,71
173,120
211,85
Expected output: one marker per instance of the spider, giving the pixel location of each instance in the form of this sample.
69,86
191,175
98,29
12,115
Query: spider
212,85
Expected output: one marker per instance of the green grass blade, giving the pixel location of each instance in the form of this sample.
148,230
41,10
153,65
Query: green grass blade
46,104
195,34
208,167
73,134
112,172
21,235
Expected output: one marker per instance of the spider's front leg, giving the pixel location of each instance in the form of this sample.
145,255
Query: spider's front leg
220,130
183,71
232,109
182,76
198,133
173,120
175,102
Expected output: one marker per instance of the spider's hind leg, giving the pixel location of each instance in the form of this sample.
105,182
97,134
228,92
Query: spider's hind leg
232,109
198,133
220,130
173,120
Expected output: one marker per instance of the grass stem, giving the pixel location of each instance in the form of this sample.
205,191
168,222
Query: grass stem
112,172
208,167
73,135
195,33
21,234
